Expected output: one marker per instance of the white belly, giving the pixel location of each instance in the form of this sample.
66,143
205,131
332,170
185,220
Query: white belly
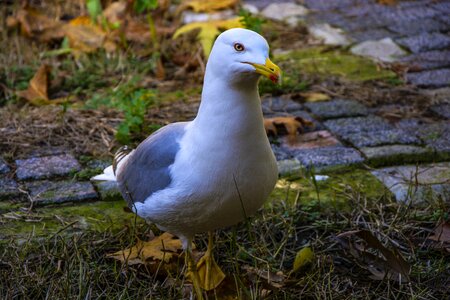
213,186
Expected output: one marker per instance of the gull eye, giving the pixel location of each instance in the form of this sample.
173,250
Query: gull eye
239,47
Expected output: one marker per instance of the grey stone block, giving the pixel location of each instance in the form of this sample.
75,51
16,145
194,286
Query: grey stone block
425,42
280,153
428,60
417,183
52,192
3,166
414,28
442,110
433,78
435,135
320,5
396,154
9,189
347,126
337,108
328,158
442,6
279,104
46,166
372,35
381,137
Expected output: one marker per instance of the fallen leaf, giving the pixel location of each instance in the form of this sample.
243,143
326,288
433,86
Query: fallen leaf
162,248
207,6
208,31
35,24
314,96
85,36
290,125
303,258
441,233
116,12
390,264
310,140
272,280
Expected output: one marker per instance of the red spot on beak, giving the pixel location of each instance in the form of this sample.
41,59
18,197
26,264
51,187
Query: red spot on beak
274,78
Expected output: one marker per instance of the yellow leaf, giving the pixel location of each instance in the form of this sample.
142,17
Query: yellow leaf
37,89
161,248
315,97
208,6
85,36
304,257
209,30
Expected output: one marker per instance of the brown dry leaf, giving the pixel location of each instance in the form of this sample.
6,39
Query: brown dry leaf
207,6
291,125
85,36
315,139
161,248
390,264
272,280
442,235
35,24
36,93
116,11
315,97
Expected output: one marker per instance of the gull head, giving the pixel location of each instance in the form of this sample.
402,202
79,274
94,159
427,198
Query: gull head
241,55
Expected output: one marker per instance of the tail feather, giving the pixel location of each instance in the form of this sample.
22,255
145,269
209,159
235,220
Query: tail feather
109,174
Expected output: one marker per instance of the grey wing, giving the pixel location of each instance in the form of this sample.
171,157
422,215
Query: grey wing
147,169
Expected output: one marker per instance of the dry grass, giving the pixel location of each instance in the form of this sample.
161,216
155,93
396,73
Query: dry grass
69,267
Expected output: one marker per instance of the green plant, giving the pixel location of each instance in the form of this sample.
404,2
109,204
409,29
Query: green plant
132,100
251,21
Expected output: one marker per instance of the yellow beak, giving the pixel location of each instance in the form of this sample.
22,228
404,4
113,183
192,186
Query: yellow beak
270,70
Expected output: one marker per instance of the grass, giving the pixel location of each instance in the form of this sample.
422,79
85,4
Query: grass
71,264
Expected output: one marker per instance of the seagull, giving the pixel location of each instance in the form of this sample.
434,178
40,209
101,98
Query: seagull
214,171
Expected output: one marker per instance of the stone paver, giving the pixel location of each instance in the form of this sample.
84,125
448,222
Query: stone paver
381,137
52,192
435,135
328,157
433,78
396,154
428,60
289,12
425,42
47,166
415,183
414,28
346,126
383,50
420,26
3,166
279,104
337,109
442,110
9,189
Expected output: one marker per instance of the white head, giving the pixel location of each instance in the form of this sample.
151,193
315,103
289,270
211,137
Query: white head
241,55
